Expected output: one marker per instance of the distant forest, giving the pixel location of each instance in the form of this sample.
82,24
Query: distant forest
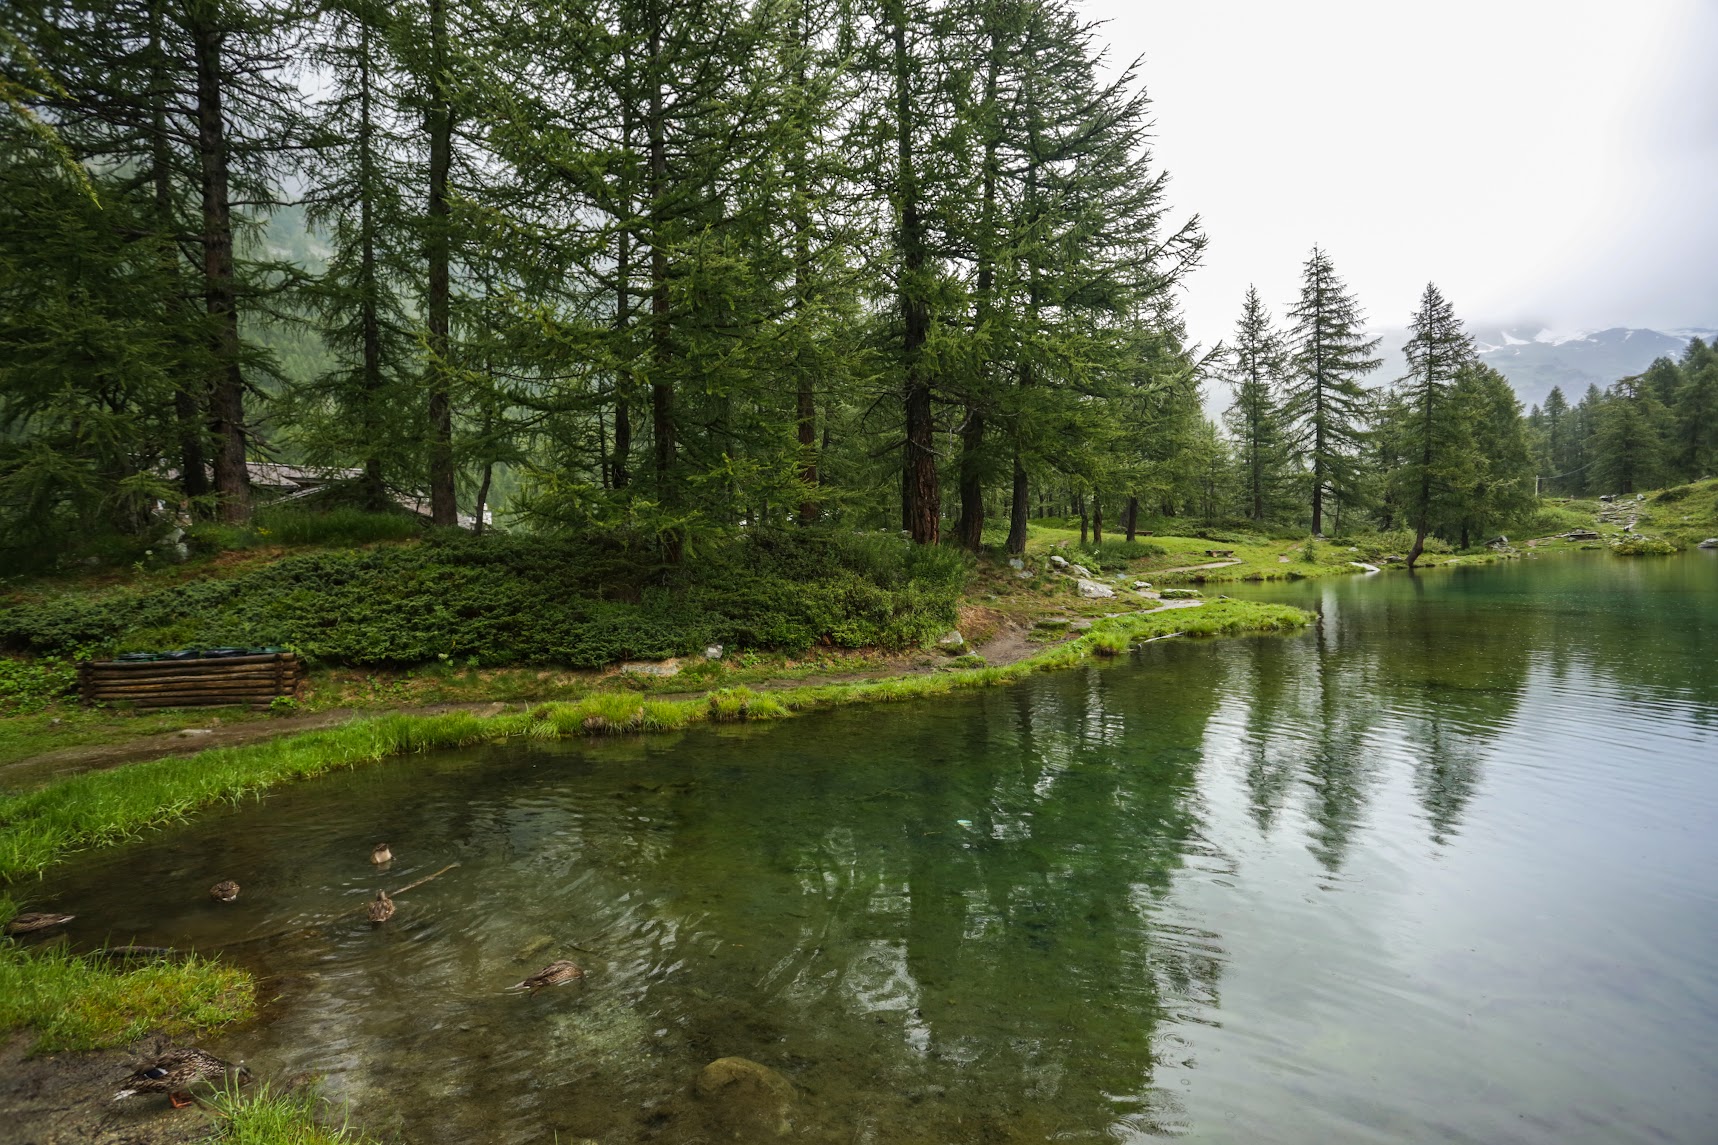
670,270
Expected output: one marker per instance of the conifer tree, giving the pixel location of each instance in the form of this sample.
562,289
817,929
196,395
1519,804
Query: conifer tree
1434,438
1326,401
1695,414
1255,364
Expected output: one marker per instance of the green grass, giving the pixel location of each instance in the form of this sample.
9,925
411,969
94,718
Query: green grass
79,1002
101,808
345,526
261,1115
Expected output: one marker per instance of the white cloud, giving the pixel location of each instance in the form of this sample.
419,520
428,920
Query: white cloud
1554,158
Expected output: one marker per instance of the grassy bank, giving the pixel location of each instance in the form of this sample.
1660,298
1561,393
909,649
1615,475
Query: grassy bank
101,808
262,1115
81,1002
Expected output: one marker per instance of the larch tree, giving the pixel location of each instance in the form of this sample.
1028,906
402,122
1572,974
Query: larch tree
1434,439
1325,399
1254,366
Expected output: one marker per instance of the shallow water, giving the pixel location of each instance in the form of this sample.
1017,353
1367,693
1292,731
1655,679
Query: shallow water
1442,869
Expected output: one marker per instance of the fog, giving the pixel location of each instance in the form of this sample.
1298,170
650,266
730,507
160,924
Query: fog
1553,163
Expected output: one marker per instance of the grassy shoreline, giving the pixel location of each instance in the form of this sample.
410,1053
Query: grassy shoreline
41,827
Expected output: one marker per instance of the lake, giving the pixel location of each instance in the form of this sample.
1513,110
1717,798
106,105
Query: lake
1442,868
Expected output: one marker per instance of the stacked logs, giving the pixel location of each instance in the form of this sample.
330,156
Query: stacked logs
253,680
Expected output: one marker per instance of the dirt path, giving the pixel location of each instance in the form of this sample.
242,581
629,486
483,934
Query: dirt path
1196,568
23,774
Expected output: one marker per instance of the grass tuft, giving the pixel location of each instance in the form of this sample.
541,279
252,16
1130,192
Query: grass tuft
262,1115
79,1002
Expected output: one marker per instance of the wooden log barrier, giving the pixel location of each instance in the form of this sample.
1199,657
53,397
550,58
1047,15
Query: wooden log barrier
253,680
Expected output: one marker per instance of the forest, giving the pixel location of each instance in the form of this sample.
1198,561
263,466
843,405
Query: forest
670,272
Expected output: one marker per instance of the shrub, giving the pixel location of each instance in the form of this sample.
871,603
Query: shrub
506,600
1642,547
30,685
288,525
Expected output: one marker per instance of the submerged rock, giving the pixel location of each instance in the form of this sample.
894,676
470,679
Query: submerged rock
533,947
745,1099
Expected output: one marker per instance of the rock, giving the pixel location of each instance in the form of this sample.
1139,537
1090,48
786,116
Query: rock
533,947
951,641
746,1099
651,667
1142,584
1180,594
1080,570
1016,563
1640,496
713,652
1606,497
1080,625
1092,590
1052,622
1023,574
1060,562
1709,543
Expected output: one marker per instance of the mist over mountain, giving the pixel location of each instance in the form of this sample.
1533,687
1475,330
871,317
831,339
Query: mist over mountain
1534,357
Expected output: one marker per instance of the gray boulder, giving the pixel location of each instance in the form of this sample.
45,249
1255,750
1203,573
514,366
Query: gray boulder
1092,590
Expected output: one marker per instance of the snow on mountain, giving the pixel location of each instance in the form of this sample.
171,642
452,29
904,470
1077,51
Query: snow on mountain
1535,358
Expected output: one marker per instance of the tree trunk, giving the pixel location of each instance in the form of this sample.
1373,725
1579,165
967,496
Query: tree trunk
220,284
1132,518
969,530
921,500
805,403
444,506
1019,505
375,490
1097,518
1085,525
661,388
187,404
482,498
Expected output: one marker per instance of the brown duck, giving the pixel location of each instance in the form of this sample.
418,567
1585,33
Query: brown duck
175,1072
381,908
380,854
554,974
224,891
31,921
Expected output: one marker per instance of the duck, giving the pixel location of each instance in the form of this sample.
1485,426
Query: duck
224,891
381,908
380,854
31,921
554,974
175,1071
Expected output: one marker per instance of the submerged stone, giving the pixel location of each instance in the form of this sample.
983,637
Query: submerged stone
745,1099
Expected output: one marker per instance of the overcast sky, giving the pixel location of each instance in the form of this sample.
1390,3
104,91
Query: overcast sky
1543,161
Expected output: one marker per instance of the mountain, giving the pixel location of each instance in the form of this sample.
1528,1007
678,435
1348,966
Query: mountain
1535,358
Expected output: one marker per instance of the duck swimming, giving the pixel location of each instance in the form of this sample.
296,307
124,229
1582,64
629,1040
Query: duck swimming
380,854
31,921
381,908
224,891
175,1072
554,974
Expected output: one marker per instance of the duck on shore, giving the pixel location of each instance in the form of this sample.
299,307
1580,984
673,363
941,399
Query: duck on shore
224,891
31,921
175,1072
381,908
554,974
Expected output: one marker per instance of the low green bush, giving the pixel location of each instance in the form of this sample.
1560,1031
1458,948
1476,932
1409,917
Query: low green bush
287,525
501,600
1642,547
30,685
1114,555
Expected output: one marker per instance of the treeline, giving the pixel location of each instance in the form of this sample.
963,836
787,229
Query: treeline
661,269
1442,451
1657,428
674,267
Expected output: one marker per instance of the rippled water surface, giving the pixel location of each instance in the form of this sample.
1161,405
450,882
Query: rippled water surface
1444,868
